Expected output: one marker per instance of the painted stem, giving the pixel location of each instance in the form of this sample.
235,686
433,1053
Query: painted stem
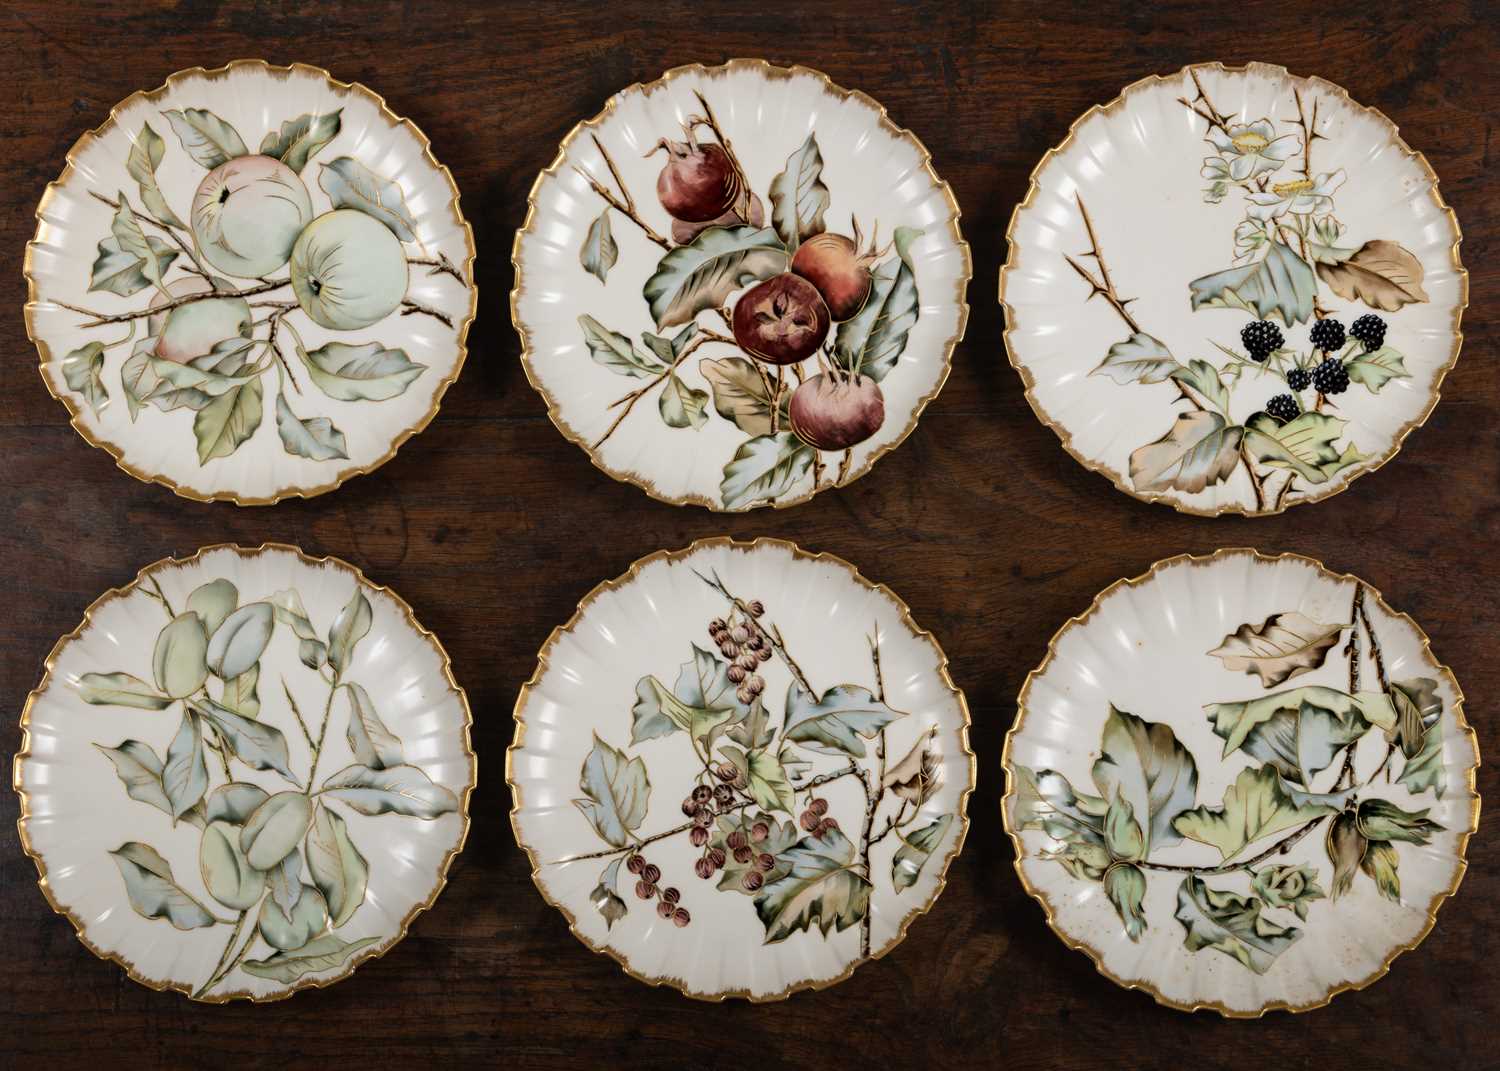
439,265
637,845
416,308
1279,848
626,207
629,400
100,319
772,632
1103,286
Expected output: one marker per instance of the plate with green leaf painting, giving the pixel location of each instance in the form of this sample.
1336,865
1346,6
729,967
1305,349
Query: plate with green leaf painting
1241,782
245,773
1233,290
251,282
741,770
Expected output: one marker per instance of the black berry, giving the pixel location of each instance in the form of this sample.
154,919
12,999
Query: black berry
1369,329
1299,379
1326,335
1284,408
1260,337
1330,377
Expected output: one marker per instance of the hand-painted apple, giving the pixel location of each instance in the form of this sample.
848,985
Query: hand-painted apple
834,264
834,411
247,213
699,182
684,232
192,330
348,270
781,321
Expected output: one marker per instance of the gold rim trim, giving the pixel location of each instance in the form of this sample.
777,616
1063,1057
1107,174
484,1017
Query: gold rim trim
1268,70
33,303
1202,561
624,580
769,72
186,988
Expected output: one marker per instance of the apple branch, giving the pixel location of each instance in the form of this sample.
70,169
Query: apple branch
439,265
100,318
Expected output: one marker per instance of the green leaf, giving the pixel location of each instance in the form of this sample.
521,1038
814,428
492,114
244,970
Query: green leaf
81,371
1301,730
682,406
276,829
338,869
1125,886
132,240
1381,820
238,643
349,627
145,157
301,137
1142,763
1282,285
125,272
209,140
254,743
228,421
1284,646
1382,865
618,792
184,775
180,659
617,352
240,693
753,730
120,690
916,848
739,394
1256,806
1231,924
1426,770
1045,800
834,723
702,274
235,802
153,891
140,772
290,612
875,337
320,954
205,380
599,251
1205,379
767,780
798,196
1304,445
315,438
402,789
227,873
781,834
213,602
1375,370
822,890
1201,448
371,742
364,372
609,905
1122,833
1139,359
764,469
350,184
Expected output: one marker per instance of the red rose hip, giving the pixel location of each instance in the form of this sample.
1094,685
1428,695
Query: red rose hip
835,412
781,321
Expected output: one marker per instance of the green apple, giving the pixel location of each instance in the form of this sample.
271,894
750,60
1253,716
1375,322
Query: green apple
348,270
191,330
247,213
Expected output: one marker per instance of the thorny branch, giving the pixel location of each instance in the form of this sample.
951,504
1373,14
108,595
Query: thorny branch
1212,114
416,308
1309,131
1103,286
440,265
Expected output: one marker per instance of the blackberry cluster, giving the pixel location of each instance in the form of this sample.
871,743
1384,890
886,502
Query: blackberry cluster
1299,379
1370,330
647,887
1284,408
1331,377
816,819
1327,335
1260,338
745,645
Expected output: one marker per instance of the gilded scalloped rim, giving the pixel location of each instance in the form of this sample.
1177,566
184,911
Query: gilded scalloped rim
185,988
768,71
624,580
1202,561
290,491
1274,71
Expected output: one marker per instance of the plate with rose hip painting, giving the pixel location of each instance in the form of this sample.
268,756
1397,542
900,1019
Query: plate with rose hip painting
740,285
250,283
1241,782
1233,290
245,773
741,770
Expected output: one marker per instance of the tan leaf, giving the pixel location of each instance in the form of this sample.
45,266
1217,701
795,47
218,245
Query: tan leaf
1382,274
916,777
1200,449
1281,648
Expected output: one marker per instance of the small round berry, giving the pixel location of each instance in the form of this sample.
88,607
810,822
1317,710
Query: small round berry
1330,377
704,869
727,771
703,818
736,840
671,896
729,649
739,634
652,874
717,625
809,821
1326,335
635,864
716,857
1370,330
689,806
681,918
736,673
828,823
645,890
1299,379
818,806
752,880
765,860
699,836
723,795
1284,408
743,855
1259,338
756,608
755,685
665,910
756,642
743,693
747,660
764,654
702,793
759,832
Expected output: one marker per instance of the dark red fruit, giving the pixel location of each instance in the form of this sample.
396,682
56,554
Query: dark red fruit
727,771
755,686
704,869
704,818
835,412
809,821
681,918
702,793
736,840
723,795
765,860
716,857
699,836
743,855
652,874
752,880
635,864
818,806
699,182
781,321
764,654
736,673
689,805
759,832
756,608
671,896
834,265
828,823
665,910
645,890
683,233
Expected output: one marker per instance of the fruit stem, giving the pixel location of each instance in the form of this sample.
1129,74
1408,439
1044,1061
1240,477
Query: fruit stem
642,842
713,124
625,207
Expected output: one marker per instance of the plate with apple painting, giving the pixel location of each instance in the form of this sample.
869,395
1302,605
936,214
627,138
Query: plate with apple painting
1241,782
1233,290
244,773
738,286
741,770
250,283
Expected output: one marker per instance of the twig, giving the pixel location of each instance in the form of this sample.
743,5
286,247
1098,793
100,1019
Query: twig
1104,285
1255,480
1281,847
440,265
100,318
629,400
872,797
275,321
301,724
416,308
1291,478
1309,131
224,969
161,596
625,207
844,467
636,846
713,124
1213,115
772,633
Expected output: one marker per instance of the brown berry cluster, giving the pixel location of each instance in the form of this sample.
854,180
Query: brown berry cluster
816,819
646,887
702,804
742,844
745,645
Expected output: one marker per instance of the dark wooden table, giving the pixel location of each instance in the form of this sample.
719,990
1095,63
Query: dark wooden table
493,526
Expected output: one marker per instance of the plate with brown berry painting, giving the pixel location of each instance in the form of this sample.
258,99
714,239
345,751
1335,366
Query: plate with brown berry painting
741,770
1233,290
738,286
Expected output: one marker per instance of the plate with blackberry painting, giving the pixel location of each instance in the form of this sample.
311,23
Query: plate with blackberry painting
1233,290
1241,782
738,286
741,770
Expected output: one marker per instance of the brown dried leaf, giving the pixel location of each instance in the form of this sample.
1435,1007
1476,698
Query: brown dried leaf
1284,646
1382,274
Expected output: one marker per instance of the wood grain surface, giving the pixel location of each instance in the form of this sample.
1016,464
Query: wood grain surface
493,527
